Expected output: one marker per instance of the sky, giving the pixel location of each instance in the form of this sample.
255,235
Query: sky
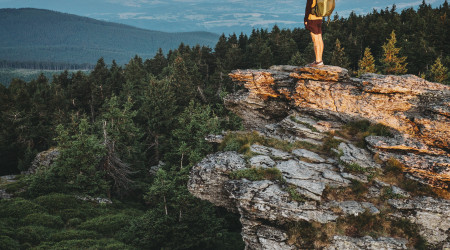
218,16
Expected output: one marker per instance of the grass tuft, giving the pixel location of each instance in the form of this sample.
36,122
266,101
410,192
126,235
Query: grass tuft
257,174
241,143
294,194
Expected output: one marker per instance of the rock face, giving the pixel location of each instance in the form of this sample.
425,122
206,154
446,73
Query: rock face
327,183
417,109
43,160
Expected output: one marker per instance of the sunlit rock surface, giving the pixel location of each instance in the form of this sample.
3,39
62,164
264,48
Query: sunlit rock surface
419,110
309,106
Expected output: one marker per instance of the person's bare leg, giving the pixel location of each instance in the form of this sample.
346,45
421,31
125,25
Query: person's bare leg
318,46
320,53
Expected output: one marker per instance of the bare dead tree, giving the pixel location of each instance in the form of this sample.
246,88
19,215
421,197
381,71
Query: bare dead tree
116,170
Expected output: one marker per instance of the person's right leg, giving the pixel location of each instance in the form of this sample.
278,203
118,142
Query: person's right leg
318,46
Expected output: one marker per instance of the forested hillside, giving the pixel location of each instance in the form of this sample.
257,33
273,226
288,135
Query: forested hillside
112,125
47,36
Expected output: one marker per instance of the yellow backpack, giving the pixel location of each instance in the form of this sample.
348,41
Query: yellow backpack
323,8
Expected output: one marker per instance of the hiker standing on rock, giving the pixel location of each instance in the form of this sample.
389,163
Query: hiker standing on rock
313,23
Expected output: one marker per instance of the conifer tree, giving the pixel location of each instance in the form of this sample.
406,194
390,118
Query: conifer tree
338,57
297,59
438,72
265,57
367,63
392,63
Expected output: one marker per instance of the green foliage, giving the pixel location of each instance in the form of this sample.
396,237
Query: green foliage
354,168
358,130
329,143
18,208
367,63
77,167
241,143
392,64
304,234
32,235
8,243
46,220
257,174
438,72
358,188
57,202
294,194
194,124
74,235
106,224
103,244
297,59
388,193
338,57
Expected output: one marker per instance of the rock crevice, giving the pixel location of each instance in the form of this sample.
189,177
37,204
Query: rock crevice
326,181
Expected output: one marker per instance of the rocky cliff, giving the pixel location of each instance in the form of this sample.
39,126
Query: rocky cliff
334,162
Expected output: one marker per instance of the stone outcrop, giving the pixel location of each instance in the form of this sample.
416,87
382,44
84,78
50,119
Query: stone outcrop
327,181
43,160
417,109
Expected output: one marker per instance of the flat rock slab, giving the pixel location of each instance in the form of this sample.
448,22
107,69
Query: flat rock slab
355,155
353,207
262,161
367,242
311,156
272,152
431,215
323,73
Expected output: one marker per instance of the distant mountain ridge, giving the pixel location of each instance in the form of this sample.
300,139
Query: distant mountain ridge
49,36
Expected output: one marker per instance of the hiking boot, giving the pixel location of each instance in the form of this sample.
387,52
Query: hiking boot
315,64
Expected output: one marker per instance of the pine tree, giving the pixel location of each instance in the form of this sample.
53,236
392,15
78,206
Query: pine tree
265,57
297,59
367,63
338,57
392,64
438,72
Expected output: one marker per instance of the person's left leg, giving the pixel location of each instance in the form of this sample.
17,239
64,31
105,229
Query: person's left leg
318,46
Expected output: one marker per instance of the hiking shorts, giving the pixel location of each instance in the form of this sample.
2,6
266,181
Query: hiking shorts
315,26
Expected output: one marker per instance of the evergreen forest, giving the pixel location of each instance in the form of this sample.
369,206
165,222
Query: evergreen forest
131,133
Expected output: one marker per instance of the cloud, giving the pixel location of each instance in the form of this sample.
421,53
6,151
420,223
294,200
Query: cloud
412,4
197,17
136,3
246,19
129,15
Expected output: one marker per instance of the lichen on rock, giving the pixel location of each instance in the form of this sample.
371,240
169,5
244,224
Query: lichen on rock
329,178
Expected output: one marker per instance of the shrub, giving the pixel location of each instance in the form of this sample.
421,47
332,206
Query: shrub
394,166
294,194
33,235
354,168
328,143
56,202
74,235
74,222
257,174
358,188
107,224
71,213
18,208
40,219
241,142
8,243
89,244
304,234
